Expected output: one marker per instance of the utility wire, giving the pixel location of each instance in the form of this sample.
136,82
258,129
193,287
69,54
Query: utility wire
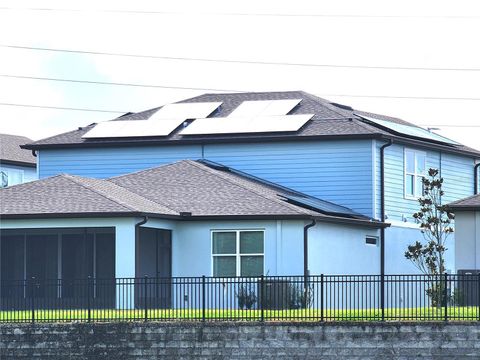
63,108
230,90
304,15
123,112
234,61
115,83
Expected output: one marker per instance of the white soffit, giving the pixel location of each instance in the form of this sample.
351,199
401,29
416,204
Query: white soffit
186,111
257,124
264,108
133,128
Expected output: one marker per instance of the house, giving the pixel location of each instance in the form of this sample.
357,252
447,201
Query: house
467,237
319,152
188,218
17,165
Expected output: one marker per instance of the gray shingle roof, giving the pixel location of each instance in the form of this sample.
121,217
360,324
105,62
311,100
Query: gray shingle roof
469,203
10,150
67,194
165,191
330,120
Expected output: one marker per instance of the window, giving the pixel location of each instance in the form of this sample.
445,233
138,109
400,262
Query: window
414,172
371,240
237,253
9,177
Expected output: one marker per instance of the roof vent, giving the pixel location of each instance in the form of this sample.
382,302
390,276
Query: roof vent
185,213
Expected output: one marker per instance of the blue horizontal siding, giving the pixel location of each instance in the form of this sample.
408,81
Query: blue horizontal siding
457,172
337,171
458,177
107,162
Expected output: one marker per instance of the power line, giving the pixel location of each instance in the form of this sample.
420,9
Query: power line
302,15
115,83
230,90
63,108
235,61
123,112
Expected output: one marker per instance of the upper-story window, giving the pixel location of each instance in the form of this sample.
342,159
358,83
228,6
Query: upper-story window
415,170
9,177
237,252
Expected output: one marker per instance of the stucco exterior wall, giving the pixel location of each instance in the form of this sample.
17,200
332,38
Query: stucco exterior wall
467,245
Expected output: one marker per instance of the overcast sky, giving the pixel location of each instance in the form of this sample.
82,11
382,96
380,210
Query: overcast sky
369,43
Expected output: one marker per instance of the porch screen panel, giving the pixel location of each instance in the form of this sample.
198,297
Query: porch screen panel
105,269
12,265
77,262
41,263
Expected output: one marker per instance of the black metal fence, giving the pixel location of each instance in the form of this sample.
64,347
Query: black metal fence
266,298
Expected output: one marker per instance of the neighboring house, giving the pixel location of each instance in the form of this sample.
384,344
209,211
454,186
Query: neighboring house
17,165
370,164
189,218
467,237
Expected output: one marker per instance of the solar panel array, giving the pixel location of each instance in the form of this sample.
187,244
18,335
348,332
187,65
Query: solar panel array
409,130
162,123
256,124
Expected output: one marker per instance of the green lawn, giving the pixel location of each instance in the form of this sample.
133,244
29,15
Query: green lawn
414,314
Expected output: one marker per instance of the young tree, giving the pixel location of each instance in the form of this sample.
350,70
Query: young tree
435,224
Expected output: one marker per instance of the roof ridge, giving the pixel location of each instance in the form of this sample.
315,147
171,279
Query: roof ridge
278,201
324,102
106,196
144,170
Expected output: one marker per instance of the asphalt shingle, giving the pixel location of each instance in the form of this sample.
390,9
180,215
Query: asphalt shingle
10,150
469,203
329,120
187,186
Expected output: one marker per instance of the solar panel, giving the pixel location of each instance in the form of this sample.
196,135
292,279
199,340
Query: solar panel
186,110
409,130
133,128
265,107
320,205
259,124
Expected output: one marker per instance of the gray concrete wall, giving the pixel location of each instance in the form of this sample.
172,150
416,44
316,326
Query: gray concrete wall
240,341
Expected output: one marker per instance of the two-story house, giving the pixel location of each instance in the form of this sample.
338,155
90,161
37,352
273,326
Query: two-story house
17,165
275,183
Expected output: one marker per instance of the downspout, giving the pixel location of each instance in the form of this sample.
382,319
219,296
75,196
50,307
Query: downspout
305,252
137,241
475,179
382,230
34,153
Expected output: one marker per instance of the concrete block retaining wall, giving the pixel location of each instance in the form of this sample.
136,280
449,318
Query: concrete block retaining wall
183,340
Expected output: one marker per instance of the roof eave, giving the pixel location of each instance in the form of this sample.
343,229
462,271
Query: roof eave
464,208
18,163
123,143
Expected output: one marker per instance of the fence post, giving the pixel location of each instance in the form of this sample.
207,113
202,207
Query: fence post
145,305
262,296
478,296
88,299
445,296
382,295
33,299
322,317
203,298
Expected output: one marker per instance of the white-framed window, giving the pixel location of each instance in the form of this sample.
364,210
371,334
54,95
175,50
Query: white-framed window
415,170
237,252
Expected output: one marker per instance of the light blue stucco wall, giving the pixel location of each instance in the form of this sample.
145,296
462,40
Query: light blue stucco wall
397,240
341,250
333,248
338,171
27,173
